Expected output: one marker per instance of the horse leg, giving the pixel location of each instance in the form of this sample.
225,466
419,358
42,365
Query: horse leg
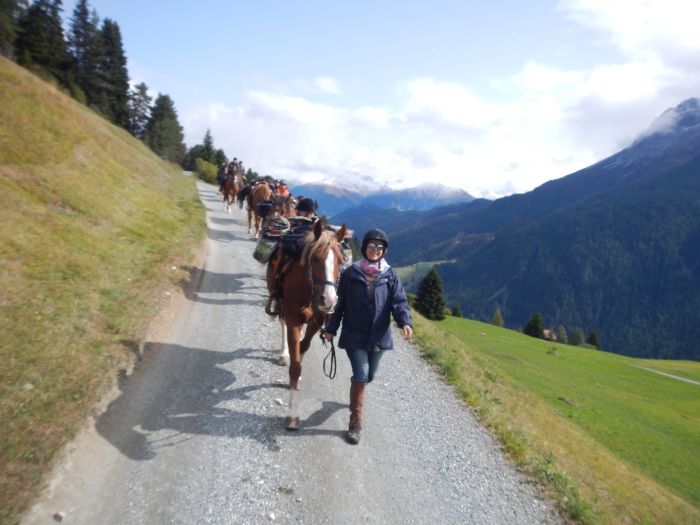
284,351
258,224
293,335
250,221
311,328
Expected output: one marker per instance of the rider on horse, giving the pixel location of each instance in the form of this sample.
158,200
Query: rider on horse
221,176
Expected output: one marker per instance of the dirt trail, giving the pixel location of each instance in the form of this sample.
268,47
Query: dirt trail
196,433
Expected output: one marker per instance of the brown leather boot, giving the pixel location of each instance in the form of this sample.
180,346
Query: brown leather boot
357,401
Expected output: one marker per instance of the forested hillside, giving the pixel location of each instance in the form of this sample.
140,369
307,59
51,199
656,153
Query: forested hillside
626,264
611,248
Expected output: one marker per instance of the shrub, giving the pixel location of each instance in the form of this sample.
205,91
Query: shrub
205,170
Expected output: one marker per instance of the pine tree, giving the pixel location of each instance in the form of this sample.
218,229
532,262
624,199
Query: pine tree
592,339
113,88
497,319
535,326
220,157
139,110
84,45
10,13
194,153
429,301
208,148
456,310
163,132
562,336
40,41
576,337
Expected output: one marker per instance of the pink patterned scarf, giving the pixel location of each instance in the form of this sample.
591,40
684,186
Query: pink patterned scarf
372,269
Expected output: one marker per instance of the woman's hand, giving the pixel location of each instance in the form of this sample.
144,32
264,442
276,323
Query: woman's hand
407,332
328,336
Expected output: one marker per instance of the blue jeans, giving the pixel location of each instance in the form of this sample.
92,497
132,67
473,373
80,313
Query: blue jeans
364,364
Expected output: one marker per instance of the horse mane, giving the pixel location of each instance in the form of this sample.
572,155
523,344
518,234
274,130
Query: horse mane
319,247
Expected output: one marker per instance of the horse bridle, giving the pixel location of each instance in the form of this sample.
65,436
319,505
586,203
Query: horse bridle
315,281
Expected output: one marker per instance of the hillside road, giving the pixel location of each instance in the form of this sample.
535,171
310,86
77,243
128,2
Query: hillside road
196,433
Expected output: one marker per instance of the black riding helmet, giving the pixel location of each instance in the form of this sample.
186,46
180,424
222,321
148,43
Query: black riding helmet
306,205
377,235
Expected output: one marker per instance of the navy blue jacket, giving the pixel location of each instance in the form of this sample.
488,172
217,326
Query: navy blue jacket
365,324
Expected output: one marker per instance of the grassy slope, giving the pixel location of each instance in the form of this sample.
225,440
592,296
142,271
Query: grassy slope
92,226
612,442
687,369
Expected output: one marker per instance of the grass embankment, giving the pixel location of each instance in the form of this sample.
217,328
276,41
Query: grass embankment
610,442
92,225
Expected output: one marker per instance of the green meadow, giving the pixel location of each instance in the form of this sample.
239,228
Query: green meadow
687,369
615,442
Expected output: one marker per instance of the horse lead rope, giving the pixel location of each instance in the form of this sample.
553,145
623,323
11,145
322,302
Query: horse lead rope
333,368
330,374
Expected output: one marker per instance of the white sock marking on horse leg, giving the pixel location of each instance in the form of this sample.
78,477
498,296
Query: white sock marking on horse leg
293,403
284,351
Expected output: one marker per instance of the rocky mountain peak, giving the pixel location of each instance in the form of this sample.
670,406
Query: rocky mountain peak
684,116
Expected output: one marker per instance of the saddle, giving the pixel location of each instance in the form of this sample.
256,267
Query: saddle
288,250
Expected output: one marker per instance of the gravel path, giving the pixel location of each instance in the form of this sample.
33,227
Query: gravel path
196,434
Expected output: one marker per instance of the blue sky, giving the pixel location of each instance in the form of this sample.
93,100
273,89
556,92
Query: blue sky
493,97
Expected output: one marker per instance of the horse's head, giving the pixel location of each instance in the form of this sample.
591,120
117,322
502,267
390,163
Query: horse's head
323,258
285,206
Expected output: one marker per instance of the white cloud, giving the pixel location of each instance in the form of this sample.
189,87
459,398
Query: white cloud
537,124
327,84
642,28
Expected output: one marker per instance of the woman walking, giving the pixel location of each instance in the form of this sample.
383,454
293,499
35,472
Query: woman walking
369,292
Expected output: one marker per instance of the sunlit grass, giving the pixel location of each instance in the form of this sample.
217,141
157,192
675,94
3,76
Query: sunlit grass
610,442
687,369
92,226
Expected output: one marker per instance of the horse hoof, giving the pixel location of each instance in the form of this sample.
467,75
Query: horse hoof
283,361
291,423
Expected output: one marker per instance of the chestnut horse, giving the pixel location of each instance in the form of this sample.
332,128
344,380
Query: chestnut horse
284,207
232,185
259,193
309,296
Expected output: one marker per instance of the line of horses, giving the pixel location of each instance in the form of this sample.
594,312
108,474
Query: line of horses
254,194
309,284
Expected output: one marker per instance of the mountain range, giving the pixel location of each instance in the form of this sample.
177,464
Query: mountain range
333,199
614,247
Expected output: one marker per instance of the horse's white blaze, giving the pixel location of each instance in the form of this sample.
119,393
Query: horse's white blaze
330,296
